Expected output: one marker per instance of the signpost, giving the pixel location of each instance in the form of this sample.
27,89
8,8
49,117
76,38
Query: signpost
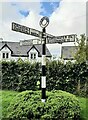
61,39
46,38
44,23
26,30
50,39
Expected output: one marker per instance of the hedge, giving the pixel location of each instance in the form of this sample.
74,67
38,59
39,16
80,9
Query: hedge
59,105
70,77
20,76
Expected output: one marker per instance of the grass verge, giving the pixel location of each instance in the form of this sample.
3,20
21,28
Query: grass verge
7,96
84,108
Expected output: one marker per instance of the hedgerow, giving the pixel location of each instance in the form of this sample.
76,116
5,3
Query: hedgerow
59,105
20,76
70,77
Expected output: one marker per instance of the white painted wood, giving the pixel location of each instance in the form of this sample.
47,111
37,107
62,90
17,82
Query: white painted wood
43,59
43,82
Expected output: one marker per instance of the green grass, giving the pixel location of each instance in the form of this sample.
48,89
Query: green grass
0,104
84,108
7,96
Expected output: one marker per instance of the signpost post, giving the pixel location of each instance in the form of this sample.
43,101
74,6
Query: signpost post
44,23
46,38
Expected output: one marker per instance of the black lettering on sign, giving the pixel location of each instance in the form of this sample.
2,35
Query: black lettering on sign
25,30
34,32
19,28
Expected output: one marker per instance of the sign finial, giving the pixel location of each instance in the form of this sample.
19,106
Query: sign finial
44,22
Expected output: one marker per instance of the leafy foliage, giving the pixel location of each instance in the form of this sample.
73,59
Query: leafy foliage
81,53
59,106
22,76
87,49
66,77
8,96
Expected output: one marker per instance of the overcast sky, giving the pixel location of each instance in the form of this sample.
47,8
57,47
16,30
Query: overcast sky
66,17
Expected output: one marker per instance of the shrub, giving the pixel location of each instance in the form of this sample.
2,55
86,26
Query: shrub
58,106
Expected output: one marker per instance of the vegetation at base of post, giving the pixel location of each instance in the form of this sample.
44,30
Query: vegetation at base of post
59,105
9,96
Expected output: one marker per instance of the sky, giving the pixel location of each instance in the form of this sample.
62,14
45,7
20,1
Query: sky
65,16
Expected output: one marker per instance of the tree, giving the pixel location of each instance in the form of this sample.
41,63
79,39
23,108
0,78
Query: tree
87,50
80,55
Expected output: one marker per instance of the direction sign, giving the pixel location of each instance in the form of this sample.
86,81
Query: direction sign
50,38
54,40
67,38
26,30
62,39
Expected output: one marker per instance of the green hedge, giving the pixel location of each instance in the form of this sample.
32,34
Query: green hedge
20,76
70,77
59,106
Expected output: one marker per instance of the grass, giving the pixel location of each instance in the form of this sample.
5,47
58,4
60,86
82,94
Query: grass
84,108
7,96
